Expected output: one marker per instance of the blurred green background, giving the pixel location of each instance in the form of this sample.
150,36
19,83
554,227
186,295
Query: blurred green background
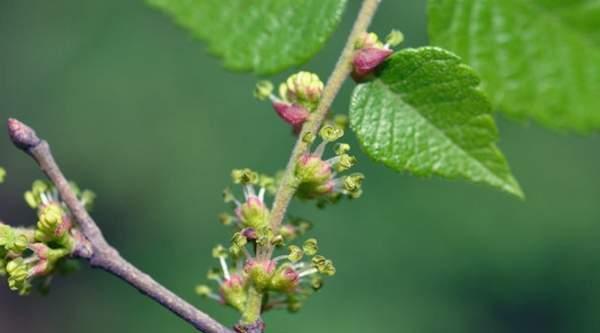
136,110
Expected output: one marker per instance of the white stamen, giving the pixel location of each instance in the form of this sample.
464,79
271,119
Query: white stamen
280,258
298,265
224,268
249,191
44,198
320,149
261,194
332,161
308,272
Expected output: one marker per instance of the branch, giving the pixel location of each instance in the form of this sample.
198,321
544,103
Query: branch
340,73
285,192
97,251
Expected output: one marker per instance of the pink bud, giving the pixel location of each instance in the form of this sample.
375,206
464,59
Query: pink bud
292,114
366,60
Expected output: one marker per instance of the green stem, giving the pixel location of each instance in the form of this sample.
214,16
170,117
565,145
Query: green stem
286,190
253,306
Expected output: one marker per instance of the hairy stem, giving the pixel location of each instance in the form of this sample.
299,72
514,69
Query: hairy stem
286,189
340,73
96,249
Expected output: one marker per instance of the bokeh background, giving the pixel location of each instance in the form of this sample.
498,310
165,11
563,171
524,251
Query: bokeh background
136,110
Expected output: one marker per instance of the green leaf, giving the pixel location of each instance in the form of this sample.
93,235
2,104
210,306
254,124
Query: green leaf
538,59
262,36
424,114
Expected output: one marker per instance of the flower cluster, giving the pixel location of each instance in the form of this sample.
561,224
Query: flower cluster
30,255
299,96
286,278
277,261
370,53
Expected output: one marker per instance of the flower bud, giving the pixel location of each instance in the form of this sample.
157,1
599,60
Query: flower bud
366,60
2,175
53,222
302,88
234,293
286,279
260,272
312,169
253,213
292,114
371,53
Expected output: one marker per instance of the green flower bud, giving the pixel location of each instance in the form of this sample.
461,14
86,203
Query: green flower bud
260,272
331,133
285,279
12,239
310,246
312,169
296,253
51,220
253,213
302,88
234,292
18,276
2,175
263,90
